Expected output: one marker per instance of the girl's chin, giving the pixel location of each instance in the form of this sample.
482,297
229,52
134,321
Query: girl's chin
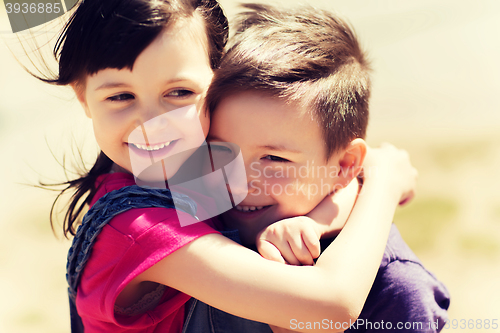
118,168
152,183
156,175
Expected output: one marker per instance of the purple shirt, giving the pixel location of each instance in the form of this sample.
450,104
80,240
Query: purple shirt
405,296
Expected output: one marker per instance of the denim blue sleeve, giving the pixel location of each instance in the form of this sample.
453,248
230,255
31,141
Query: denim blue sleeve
405,296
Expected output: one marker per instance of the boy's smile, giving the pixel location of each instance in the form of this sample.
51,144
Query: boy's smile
284,155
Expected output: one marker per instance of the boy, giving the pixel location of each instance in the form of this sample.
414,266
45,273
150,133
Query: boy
292,92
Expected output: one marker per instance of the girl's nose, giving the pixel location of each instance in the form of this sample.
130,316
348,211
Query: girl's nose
153,118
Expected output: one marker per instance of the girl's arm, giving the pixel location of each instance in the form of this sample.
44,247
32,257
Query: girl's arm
332,213
234,279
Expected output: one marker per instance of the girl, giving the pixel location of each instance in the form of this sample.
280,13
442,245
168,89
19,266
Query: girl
130,61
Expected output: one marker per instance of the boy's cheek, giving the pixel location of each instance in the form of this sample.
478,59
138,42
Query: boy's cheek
299,199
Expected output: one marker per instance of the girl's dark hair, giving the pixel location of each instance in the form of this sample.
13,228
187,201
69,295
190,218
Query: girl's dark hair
104,34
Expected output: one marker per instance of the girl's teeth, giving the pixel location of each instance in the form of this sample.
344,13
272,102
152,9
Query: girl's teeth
248,208
152,148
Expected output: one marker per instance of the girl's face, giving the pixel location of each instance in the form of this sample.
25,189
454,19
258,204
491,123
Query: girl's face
153,111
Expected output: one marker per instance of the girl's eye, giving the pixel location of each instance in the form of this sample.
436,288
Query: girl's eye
120,98
180,93
275,158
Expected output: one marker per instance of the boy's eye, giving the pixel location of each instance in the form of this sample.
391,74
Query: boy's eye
218,148
120,97
222,154
180,93
275,158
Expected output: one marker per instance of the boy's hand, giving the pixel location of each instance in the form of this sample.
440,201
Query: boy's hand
293,241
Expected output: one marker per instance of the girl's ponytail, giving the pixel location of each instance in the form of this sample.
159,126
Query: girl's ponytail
85,190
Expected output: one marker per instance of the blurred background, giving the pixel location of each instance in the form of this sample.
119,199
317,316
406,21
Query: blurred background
435,85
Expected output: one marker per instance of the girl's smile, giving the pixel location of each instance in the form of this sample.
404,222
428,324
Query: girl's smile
151,147
153,151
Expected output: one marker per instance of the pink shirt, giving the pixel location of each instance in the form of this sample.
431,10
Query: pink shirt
131,243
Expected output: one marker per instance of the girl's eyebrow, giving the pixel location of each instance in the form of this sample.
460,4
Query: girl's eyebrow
180,78
110,85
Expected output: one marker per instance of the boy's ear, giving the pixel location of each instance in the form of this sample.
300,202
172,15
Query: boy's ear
79,90
351,161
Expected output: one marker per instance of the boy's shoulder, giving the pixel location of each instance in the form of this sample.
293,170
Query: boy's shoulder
397,250
401,269
404,291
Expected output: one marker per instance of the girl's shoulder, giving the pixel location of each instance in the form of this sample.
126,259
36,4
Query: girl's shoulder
154,221
110,182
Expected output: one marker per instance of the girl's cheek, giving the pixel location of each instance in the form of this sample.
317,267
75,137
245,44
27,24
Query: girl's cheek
205,122
203,115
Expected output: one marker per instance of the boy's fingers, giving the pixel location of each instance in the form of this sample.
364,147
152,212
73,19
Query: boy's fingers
300,250
288,254
269,251
281,244
311,241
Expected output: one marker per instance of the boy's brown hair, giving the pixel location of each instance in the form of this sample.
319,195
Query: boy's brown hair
306,56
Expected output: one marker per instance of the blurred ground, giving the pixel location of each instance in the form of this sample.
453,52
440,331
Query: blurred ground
436,78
